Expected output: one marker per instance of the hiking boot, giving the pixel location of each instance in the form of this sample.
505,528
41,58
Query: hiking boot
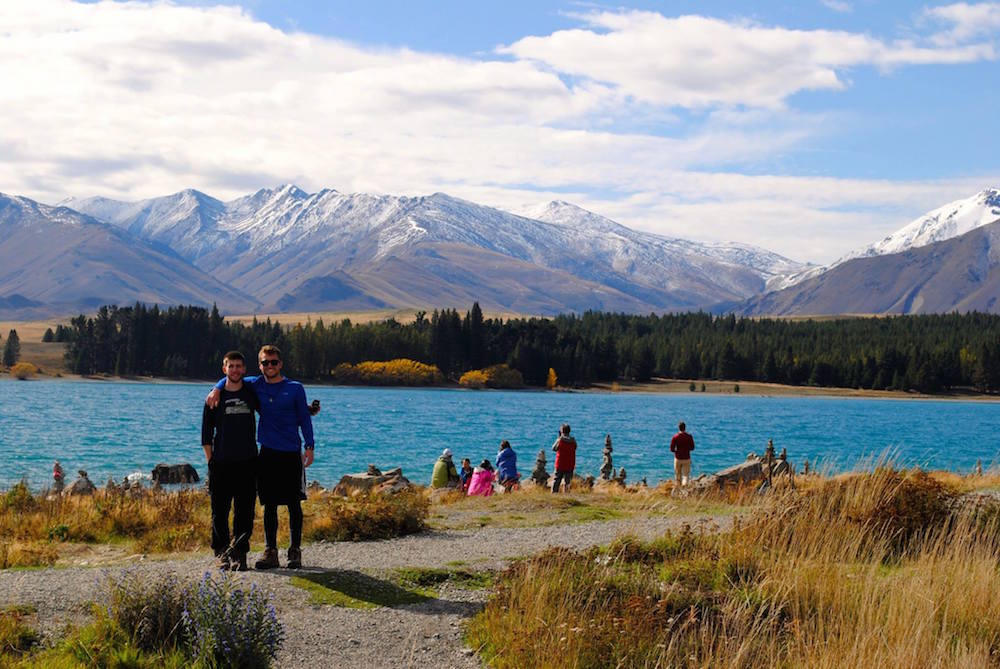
222,561
294,558
269,560
240,562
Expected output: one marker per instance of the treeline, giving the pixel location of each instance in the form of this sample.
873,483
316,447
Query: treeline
926,353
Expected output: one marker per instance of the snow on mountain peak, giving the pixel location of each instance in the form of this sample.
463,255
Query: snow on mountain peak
952,220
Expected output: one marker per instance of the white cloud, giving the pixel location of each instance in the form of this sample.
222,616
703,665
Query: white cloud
135,100
967,21
697,61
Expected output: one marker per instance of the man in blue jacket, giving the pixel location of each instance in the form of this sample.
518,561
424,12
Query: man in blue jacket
281,464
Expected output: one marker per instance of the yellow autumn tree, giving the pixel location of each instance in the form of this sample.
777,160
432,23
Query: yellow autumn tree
552,379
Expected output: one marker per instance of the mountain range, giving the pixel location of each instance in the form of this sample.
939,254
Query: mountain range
283,250
946,260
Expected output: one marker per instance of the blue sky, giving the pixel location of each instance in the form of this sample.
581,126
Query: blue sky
810,128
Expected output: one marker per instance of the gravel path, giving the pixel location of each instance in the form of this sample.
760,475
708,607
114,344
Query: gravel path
425,634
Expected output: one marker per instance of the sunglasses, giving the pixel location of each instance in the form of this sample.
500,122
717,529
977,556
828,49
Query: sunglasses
270,363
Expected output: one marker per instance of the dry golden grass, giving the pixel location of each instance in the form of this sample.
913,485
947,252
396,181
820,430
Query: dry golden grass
36,530
884,569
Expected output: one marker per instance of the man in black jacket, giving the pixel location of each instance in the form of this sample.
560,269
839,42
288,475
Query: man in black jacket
229,437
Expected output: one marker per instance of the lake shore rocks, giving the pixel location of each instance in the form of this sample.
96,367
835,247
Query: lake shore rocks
390,483
182,473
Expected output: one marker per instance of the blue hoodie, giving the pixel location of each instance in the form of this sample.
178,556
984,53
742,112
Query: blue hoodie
506,464
283,412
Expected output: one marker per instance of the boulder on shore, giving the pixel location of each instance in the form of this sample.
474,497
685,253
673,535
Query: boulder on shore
183,473
388,483
752,470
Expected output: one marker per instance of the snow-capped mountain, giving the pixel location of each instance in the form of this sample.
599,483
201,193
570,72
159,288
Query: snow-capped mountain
619,244
286,246
948,259
59,261
952,220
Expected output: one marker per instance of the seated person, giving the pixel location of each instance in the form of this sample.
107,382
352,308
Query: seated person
507,474
466,474
445,475
482,480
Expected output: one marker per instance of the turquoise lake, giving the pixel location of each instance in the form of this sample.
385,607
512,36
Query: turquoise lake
116,428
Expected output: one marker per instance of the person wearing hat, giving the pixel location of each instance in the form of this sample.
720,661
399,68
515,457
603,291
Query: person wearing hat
482,480
445,475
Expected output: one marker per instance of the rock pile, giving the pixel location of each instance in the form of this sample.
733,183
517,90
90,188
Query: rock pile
388,483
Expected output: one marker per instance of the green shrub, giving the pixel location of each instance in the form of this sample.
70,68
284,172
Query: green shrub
17,637
231,627
19,498
151,613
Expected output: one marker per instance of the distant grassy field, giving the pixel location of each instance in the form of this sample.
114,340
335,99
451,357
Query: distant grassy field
48,357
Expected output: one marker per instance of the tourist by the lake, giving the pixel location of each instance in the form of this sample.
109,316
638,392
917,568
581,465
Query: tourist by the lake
681,446
281,479
565,448
466,474
507,475
445,475
228,436
482,479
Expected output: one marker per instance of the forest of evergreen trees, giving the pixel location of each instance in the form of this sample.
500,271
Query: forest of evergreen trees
924,353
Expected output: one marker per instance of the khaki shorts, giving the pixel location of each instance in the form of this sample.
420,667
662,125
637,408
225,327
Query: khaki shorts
682,471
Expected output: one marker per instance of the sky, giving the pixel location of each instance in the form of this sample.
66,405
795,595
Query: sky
809,128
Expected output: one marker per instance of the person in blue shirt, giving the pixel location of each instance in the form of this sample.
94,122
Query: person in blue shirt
281,479
507,466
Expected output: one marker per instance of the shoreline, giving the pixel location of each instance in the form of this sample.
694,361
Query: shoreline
660,386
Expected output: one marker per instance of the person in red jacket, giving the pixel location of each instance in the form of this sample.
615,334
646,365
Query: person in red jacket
565,448
681,446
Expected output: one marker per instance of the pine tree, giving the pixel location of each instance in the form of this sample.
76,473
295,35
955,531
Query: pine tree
12,349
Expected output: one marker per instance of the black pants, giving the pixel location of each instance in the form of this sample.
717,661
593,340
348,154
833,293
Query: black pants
232,484
562,476
294,524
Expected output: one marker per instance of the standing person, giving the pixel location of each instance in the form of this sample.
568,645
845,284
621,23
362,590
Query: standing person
507,475
565,448
281,478
445,475
229,437
681,446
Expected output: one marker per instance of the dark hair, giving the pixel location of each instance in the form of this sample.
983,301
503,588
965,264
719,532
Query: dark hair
487,465
565,428
681,426
504,444
269,349
232,355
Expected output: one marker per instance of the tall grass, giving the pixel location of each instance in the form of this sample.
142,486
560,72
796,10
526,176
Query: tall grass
884,569
33,528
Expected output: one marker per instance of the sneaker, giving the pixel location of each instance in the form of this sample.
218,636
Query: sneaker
269,560
240,562
294,558
222,561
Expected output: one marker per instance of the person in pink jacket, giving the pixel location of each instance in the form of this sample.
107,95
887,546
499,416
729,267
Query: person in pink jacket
482,480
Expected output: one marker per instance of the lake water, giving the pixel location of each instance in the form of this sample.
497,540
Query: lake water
116,428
